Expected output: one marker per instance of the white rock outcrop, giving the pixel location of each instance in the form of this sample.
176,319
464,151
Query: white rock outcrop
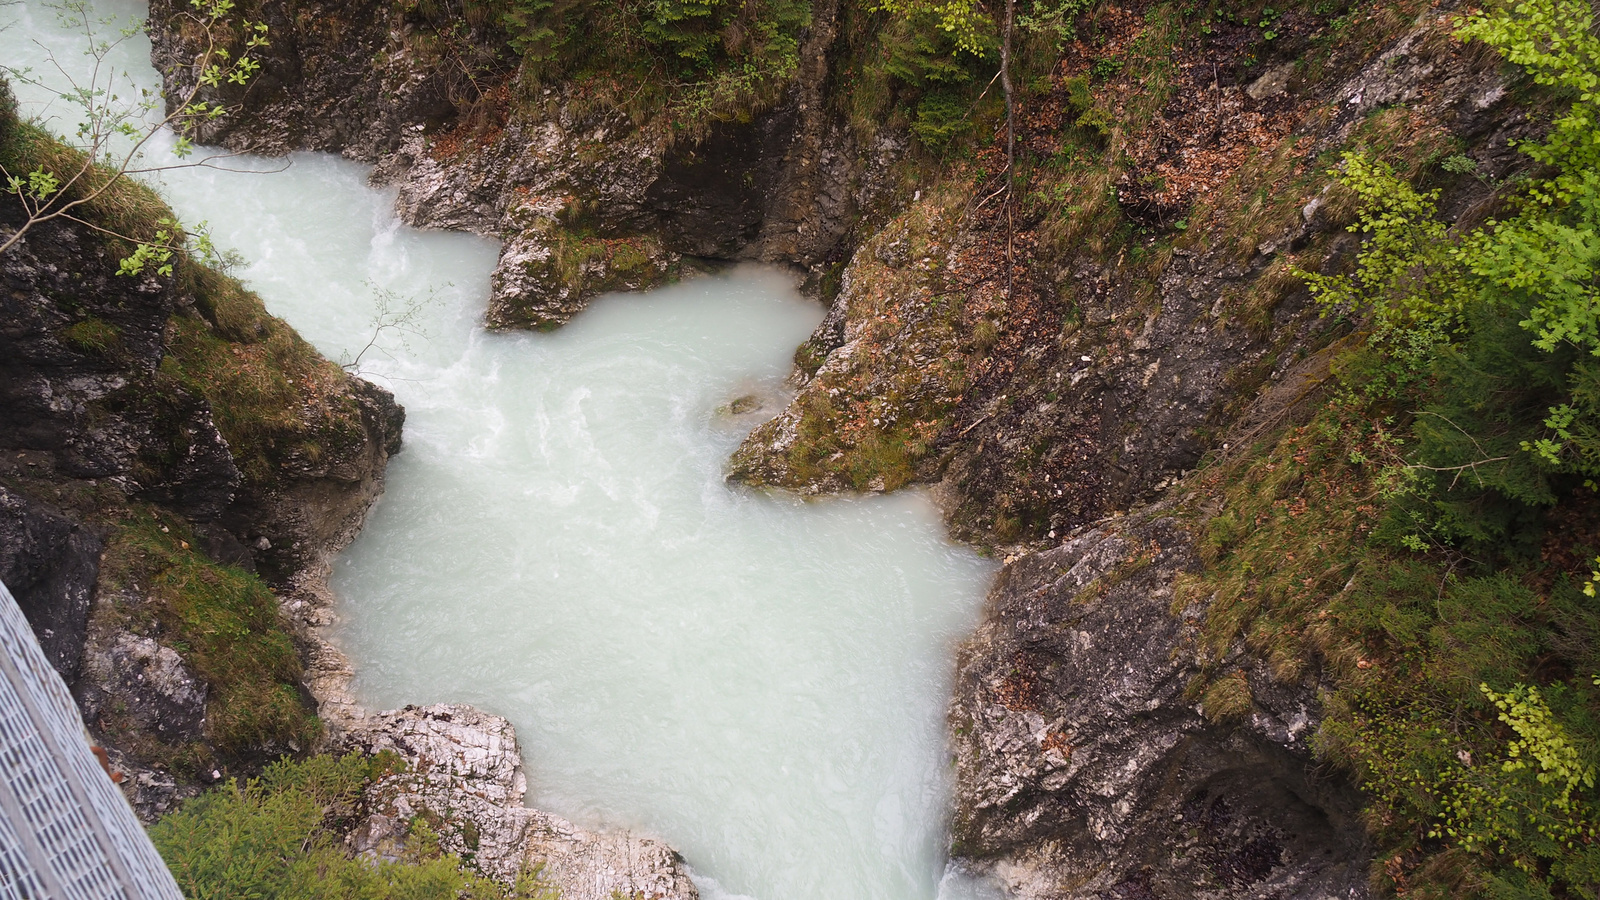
463,775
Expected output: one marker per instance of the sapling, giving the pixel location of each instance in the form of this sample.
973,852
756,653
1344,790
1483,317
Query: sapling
115,133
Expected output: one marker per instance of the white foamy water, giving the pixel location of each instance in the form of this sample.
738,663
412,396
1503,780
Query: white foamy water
758,681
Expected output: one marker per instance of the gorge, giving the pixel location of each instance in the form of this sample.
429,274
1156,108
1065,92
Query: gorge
755,674
1264,626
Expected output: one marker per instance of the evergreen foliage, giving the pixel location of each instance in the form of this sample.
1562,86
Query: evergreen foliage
698,59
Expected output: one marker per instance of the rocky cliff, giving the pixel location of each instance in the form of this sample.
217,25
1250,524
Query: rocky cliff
1088,766
163,436
1050,353
111,450
584,198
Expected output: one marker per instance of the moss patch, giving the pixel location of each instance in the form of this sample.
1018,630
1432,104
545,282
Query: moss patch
226,625
282,407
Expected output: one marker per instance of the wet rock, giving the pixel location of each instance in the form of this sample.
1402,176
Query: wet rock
740,405
463,770
711,197
384,418
316,88
545,276
194,473
1085,769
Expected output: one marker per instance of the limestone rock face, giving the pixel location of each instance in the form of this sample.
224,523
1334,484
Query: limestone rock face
1085,768
151,685
463,769
82,385
96,431
584,199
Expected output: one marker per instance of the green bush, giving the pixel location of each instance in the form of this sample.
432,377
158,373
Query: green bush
1416,511
935,58
700,59
1494,335
941,118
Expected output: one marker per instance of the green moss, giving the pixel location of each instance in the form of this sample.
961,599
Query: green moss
280,405
226,625
124,207
809,357
94,336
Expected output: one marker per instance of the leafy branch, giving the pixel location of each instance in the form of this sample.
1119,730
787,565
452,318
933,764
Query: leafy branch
394,315
114,134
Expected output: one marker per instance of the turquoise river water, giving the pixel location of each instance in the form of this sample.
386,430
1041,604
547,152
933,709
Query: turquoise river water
757,680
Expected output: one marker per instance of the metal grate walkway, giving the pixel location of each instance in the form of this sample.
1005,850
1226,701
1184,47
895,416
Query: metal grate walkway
66,833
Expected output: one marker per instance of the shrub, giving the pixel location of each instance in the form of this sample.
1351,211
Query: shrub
700,59
1504,426
1402,538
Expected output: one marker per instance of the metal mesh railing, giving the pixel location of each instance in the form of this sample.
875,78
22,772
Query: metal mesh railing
66,832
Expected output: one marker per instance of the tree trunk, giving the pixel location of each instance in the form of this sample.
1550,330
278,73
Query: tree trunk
1011,130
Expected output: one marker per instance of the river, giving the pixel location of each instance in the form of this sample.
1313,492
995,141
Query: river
757,680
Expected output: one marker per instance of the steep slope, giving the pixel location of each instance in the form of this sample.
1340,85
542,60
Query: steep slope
171,452
1122,314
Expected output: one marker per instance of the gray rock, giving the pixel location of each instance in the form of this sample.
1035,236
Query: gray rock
50,564
153,689
1272,82
464,770
1084,769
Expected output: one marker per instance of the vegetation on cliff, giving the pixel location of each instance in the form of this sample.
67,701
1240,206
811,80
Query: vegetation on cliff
223,621
1416,530
279,835
1428,536
695,59
1425,535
